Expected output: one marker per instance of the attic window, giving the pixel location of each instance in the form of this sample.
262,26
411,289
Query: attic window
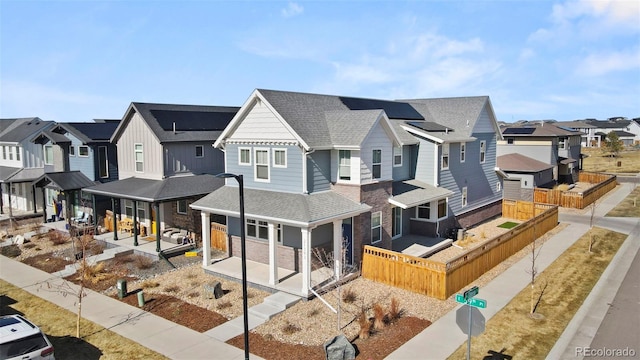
72,150
445,156
199,151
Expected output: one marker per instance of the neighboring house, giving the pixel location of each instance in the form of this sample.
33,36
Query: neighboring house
165,162
323,171
557,146
523,174
82,154
627,138
589,138
21,164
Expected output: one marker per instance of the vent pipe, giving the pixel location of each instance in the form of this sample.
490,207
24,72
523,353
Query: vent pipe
174,127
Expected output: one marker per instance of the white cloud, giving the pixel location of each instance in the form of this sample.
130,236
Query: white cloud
292,9
526,54
599,64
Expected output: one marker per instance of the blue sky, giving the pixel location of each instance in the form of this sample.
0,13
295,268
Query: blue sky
79,60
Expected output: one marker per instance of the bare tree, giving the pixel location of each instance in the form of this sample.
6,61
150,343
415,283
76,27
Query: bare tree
533,270
592,207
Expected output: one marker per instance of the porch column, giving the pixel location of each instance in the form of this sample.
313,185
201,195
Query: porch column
273,255
156,208
206,238
135,223
2,202
94,212
35,202
115,219
337,248
44,202
306,260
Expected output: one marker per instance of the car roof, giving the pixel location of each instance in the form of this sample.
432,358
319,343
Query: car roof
13,327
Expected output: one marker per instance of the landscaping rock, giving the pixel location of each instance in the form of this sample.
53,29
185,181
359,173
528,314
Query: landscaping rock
213,290
339,348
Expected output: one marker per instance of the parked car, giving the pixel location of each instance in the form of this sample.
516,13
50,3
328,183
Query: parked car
20,339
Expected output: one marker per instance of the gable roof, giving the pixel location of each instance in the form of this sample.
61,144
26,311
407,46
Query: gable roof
67,180
535,129
48,135
520,163
608,124
24,129
179,123
99,131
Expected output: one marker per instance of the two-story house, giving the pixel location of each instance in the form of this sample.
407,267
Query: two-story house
78,155
543,141
21,164
165,162
324,171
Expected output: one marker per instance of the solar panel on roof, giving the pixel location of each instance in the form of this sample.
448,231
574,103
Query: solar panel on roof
519,131
429,126
193,120
566,128
394,109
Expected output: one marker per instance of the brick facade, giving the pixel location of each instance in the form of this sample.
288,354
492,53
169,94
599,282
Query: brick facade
190,221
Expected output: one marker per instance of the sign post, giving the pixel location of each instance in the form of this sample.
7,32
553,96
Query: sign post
468,298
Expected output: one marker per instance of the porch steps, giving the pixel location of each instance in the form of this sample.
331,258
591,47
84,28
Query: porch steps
258,314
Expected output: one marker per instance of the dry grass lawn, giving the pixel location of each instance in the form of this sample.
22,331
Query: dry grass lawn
629,207
600,161
60,325
569,280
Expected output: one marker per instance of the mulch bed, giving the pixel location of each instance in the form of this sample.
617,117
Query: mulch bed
377,346
47,262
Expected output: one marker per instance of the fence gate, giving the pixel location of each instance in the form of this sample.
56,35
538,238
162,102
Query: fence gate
219,236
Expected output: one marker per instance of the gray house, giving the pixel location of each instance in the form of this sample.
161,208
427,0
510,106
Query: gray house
333,172
165,162
522,175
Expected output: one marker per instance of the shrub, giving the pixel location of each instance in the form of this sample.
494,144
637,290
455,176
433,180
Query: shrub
365,325
378,317
143,262
172,289
290,328
149,283
349,296
313,312
11,251
224,305
57,237
29,245
191,295
394,310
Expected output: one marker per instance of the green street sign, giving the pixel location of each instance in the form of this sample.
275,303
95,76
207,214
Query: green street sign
479,303
471,292
460,299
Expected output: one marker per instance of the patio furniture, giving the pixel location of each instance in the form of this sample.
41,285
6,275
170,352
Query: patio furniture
126,225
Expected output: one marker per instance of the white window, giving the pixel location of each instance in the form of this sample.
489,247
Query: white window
463,149
139,157
182,207
262,165
142,214
4,152
199,151
344,164
258,229
510,141
498,186
423,211
72,150
562,143
464,196
377,164
483,150
128,208
445,156
83,151
103,162
442,208
48,155
279,233
397,156
396,219
18,153
376,227
244,156
280,158
10,153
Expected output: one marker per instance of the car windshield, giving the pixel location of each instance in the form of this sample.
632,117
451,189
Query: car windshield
22,346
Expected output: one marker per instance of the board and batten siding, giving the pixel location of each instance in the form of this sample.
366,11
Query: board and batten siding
181,158
319,171
427,162
378,139
84,164
138,132
285,179
261,123
32,156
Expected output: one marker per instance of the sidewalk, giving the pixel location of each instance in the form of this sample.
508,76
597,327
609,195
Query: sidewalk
158,334
443,337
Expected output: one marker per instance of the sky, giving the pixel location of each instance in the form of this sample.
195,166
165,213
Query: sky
74,61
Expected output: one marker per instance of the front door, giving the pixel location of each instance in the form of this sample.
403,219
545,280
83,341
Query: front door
347,236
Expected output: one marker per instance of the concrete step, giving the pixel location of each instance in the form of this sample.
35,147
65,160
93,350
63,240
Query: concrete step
281,300
233,328
265,311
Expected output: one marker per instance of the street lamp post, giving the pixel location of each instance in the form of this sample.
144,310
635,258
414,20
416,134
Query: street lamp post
243,255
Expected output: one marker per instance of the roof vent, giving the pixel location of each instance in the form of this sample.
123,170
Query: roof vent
174,127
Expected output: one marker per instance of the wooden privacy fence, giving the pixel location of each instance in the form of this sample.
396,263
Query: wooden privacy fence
442,280
523,210
576,200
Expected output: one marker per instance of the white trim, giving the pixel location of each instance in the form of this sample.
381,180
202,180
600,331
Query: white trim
106,161
393,156
464,196
350,179
483,152
240,149
256,164
186,206
72,150
80,147
202,151
44,154
445,146
373,177
135,161
274,150
378,213
463,151
393,222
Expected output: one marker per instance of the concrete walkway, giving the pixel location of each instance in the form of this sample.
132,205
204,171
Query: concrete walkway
443,337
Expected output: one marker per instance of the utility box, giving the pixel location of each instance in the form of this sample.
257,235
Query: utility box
122,288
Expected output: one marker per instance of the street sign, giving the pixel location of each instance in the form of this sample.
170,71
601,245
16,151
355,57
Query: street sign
477,320
460,298
479,303
471,292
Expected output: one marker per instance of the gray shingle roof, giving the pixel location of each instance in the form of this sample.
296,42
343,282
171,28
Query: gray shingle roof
192,122
91,132
22,130
50,136
520,163
68,180
286,208
149,190
346,127
543,130
6,172
26,175
458,113
410,193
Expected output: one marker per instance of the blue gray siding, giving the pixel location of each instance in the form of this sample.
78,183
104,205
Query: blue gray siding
181,158
319,171
287,179
81,163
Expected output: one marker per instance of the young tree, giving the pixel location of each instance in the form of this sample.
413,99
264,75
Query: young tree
613,144
533,271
